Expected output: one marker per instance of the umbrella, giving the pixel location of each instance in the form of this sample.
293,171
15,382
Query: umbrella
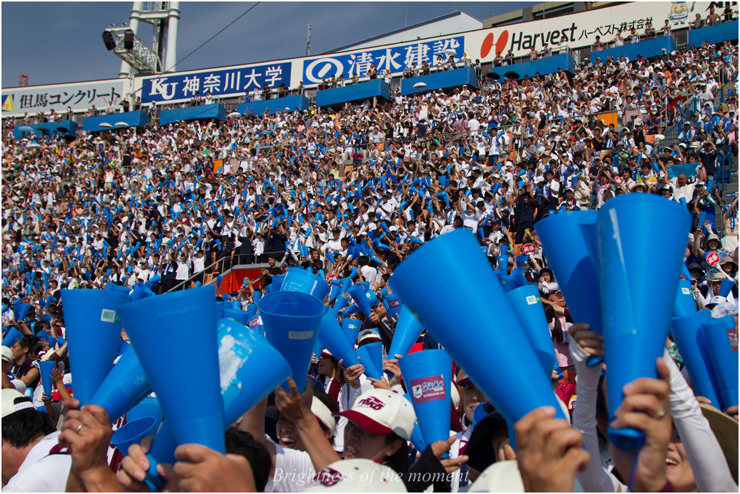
420,85
450,51
121,124
34,145
493,75
42,129
659,137
105,125
25,128
62,129
234,114
511,75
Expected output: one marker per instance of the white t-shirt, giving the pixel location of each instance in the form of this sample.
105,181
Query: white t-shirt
293,470
41,472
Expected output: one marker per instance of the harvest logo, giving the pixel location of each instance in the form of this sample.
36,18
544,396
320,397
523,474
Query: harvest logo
485,47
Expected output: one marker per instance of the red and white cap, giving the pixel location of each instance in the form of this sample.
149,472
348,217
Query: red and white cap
356,475
380,411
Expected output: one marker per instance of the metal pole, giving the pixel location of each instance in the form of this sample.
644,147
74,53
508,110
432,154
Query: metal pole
308,41
173,17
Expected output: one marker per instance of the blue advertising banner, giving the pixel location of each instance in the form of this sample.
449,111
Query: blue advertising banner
223,82
395,58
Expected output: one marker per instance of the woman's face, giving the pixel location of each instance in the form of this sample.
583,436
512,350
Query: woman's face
326,367
677,468
287,434
545,277
472,397
361,444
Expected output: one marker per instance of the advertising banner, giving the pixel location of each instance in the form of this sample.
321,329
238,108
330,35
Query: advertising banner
80,96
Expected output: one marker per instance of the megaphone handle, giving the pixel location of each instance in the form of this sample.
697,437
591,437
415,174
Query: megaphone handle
153,479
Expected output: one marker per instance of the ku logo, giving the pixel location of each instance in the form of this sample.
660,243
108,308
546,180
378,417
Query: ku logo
372,402
417,391
485,47
159,87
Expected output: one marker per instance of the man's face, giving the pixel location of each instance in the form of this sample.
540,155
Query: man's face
12,460
271,261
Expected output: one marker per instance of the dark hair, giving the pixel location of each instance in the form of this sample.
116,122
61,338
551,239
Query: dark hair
399,461
242,443
23,427
557,330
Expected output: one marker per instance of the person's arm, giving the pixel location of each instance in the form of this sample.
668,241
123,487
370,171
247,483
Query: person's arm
711,472
294,408
594,478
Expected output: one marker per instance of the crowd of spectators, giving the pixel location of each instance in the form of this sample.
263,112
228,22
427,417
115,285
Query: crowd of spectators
361,188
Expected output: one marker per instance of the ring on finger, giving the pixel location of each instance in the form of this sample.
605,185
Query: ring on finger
79,427
660,414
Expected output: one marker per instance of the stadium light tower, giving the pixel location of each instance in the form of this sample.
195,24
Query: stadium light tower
136,54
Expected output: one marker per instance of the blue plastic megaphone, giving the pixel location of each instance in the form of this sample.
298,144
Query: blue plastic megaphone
416,437
162,451
256,296
299,280
133,432
375,351
428,376
527,305
685,304
237,315
721,338
22,310
333,339
636,313
277,282
367,361
141,291
726,287
93,332
292,321
12,337
334,292
407,332
453,269
689,337
565,246
351,327
185,323
153,280
124,386
243,354
394,306
45,369
360,296
340,303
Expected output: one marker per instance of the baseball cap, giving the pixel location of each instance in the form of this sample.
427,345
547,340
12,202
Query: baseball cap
14,401
381,411
324,415
368,334
502,476
356,475
7,354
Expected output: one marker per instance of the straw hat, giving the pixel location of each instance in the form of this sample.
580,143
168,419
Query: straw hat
725,429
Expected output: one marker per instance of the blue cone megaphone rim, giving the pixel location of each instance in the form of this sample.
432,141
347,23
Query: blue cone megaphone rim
133,432
726,287
237,315
408,330
185,323
452,271
293,335
93,332
299,280
636,312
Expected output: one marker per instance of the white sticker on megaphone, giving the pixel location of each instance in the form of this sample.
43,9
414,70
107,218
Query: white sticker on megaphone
300,335
686,291
531,300
108,315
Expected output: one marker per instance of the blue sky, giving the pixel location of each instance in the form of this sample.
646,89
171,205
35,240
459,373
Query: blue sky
61,41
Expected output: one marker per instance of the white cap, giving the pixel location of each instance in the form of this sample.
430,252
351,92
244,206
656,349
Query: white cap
502,476
357,475
7,354
380,411
14,401
323,414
